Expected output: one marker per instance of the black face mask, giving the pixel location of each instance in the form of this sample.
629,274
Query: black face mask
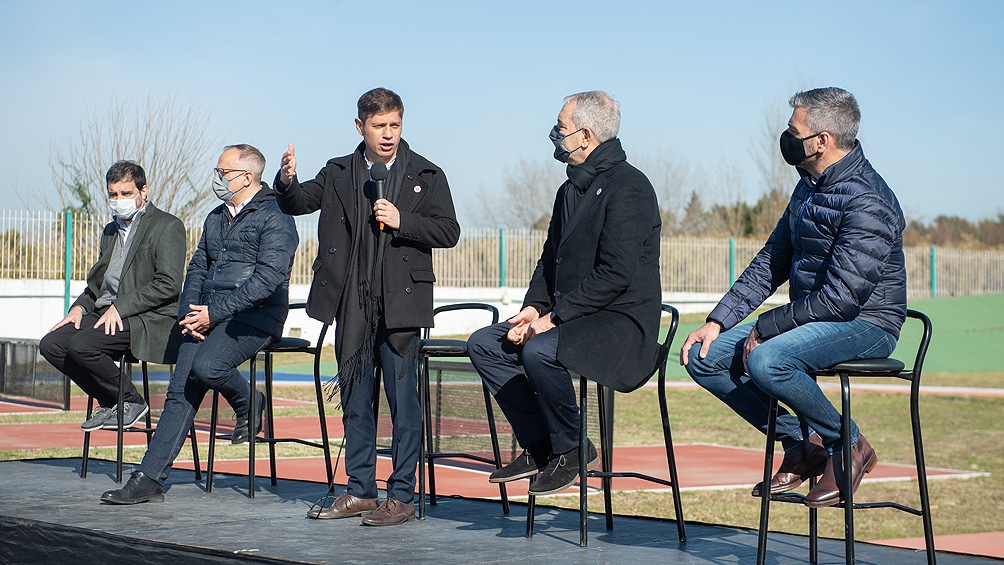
793,148
558,139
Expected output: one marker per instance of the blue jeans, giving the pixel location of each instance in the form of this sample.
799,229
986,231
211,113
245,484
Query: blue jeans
779,368
202,365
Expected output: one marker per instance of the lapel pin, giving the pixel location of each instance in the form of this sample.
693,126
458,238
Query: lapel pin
418,189
598,191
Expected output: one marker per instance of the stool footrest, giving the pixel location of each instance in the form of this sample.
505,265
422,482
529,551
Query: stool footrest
458,455
629,475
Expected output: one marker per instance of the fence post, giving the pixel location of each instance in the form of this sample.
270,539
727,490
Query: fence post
732,260
934,273
68,266
502,277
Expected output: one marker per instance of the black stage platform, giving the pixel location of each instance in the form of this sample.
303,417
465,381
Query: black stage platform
48,514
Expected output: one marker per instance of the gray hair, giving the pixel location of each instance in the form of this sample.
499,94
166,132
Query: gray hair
831,109
249,156
597,111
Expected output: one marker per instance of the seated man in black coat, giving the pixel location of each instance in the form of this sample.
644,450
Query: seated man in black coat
593,302
234,302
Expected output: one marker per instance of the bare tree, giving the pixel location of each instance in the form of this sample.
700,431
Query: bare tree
527,195
669,176
168,138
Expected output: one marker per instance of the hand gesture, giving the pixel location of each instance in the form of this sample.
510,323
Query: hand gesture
520,323
72,317
287,170
110,320
703,335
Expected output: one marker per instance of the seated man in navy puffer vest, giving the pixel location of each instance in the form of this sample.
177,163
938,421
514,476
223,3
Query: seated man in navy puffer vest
839,245
234,302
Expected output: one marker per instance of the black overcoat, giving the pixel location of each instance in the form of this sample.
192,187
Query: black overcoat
428,220
600,276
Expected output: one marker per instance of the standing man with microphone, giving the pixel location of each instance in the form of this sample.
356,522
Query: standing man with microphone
383,209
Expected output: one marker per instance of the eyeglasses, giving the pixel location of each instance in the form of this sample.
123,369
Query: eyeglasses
225,172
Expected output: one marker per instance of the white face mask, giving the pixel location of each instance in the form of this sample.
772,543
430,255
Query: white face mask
123,208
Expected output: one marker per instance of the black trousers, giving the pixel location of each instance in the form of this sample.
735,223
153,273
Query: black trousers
88,357
533,390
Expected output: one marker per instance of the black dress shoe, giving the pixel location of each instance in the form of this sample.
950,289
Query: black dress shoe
802,462
562,471
140,488
240,434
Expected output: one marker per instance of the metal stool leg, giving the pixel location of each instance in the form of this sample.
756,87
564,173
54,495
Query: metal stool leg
845,416
270,416
583,443
87,440
212,442
768,468
605,407
125,368
496,451
667,436
252,437
425,464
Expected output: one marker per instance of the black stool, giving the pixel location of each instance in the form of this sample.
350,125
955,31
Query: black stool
858,368
283,345
125,372
450,348
605,398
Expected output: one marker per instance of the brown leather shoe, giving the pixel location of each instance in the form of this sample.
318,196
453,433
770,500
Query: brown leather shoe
829,490
344,506
802,462
391,513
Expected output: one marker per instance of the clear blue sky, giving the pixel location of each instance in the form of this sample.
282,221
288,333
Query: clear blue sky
483,81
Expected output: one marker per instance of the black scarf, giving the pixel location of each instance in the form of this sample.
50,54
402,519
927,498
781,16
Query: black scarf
606,156
361,306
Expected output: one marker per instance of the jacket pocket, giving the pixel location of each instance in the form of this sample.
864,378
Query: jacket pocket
316,266
423,275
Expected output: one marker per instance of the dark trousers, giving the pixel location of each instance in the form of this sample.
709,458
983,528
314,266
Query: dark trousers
88,357
360,424
202,366
533,390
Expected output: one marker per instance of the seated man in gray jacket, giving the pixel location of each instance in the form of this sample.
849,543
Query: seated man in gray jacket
129,304
234,302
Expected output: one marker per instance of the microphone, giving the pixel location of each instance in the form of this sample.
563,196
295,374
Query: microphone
378,172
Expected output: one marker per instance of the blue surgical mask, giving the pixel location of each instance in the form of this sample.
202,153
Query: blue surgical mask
558,139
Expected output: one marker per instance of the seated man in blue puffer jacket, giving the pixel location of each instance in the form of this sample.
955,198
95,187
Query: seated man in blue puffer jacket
234,302
839,245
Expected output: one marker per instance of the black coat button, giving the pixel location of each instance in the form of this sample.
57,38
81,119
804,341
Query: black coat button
411,176
343,219
331,250
405,258
408,290
324,283
558,260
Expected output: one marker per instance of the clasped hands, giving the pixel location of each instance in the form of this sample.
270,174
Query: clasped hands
527,324
196,323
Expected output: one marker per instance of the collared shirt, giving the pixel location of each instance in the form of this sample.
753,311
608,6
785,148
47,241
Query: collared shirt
124,229
369,164
236,208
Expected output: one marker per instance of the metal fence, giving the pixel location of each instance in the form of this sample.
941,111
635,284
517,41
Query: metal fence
34,245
